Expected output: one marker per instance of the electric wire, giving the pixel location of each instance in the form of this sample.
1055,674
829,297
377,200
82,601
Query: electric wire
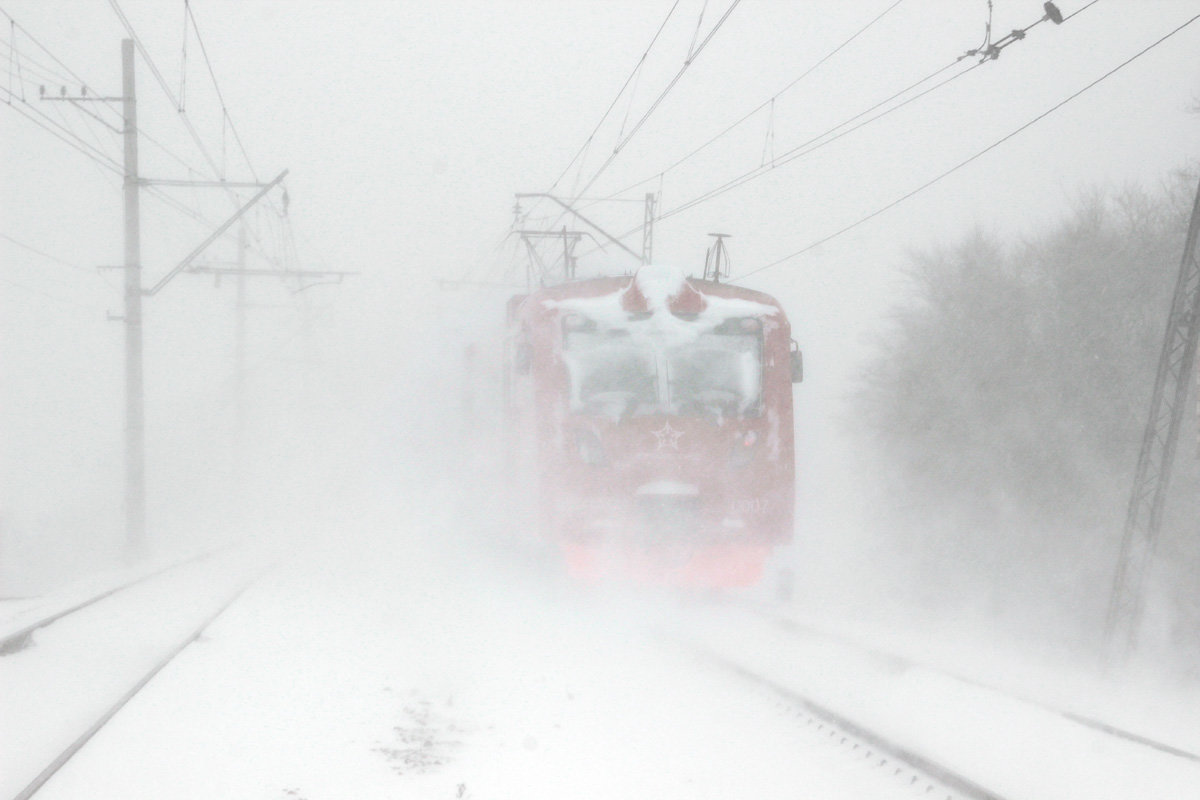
25,63
217,172
18,26
658,101
94,136
44,254
974,157
613,104
1080,10
162,84
46,76
217,87
67,136
821,140
733,126
812,144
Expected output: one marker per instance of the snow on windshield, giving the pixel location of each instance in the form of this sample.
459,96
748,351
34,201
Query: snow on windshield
615,374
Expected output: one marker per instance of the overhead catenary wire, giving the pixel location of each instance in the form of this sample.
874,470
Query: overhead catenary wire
658,100
47,76
67,136
217,87
820,140
974,157
824,138
217,171
14,25
44,254
615,99
769,102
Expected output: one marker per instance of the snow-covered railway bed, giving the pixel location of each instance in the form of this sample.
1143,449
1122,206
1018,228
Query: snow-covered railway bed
938,728
23,617
410,668
1088,719
75,659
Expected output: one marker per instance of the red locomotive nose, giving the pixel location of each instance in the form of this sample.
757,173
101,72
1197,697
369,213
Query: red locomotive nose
653,425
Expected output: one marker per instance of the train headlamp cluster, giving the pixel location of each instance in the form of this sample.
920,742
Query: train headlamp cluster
745,447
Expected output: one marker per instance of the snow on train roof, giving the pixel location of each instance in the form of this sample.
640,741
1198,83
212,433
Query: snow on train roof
658,285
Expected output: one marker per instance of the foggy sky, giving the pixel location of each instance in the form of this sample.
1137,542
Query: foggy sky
408,126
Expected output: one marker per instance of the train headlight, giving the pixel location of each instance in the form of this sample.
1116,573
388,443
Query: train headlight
745,447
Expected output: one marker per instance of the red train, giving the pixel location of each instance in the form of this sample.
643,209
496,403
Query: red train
651,424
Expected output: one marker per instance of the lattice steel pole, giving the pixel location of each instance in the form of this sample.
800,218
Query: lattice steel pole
1143,520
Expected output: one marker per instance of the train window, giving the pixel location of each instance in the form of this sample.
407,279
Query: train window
611,374
720,374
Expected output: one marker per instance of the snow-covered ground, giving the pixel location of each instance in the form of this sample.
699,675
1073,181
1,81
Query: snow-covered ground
78,667
395,655
1013,746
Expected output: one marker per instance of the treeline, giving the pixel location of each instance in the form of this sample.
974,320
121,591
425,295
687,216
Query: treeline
1008,398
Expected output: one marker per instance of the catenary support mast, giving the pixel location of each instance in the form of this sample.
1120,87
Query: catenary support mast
135,439
1153,476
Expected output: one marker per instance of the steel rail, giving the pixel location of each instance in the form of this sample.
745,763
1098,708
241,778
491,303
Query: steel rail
877,744
796,628
66,755
19,639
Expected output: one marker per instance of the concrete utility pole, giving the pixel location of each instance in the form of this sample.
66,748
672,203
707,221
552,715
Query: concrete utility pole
135,449
135,437
239,345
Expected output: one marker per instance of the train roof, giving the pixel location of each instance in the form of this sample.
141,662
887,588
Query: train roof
653,287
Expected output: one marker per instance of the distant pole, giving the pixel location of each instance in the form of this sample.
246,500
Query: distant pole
568,265
135,441
239,344
713,263
648,230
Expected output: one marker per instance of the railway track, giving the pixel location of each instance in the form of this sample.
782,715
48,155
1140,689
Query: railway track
18,636
63,757
213,605
943,735
925,775
793,627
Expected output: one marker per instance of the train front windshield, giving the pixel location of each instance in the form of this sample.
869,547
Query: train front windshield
616,373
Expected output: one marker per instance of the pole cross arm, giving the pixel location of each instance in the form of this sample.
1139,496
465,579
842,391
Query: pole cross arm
224,226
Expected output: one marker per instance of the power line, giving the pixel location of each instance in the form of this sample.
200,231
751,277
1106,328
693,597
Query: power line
44,254
216,86
662,96
762,105
977,155
68,136
822,139
613,104
16,25
812,144
218,172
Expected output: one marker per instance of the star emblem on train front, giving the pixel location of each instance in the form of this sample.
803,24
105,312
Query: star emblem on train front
667,437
